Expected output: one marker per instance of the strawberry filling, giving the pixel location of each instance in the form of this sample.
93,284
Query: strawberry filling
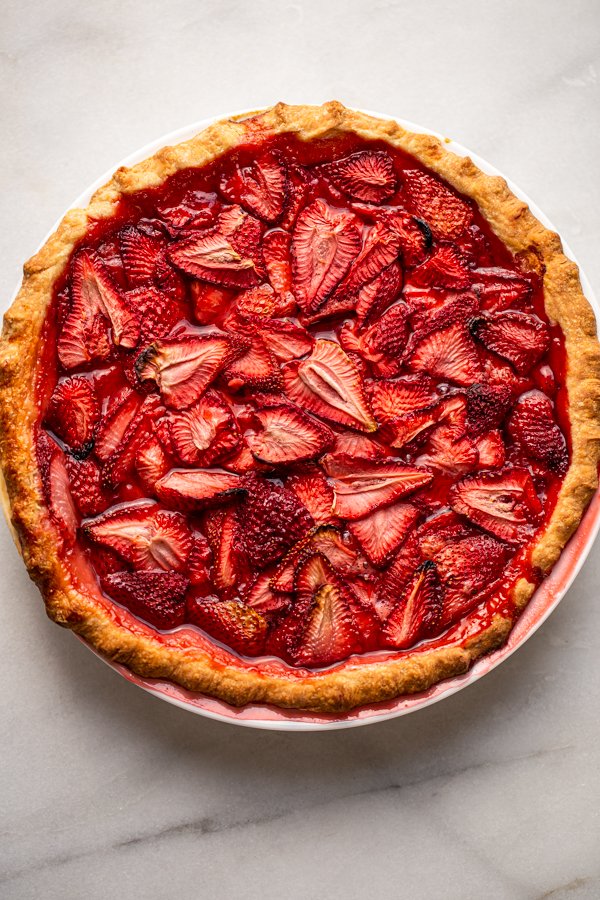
302,401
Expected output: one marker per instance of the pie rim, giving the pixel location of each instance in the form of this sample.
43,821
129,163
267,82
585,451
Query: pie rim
357,684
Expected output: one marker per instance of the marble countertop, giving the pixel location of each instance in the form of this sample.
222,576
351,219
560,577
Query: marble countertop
106,791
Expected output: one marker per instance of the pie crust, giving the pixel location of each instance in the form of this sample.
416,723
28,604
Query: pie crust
215,671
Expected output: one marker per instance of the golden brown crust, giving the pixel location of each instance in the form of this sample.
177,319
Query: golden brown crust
349,685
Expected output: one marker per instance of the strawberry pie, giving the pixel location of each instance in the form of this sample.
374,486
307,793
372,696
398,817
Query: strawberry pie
299,412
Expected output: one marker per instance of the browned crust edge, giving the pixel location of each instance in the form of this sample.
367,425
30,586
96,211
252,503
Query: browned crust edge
335,690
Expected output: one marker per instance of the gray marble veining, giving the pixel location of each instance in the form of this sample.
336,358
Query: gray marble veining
106,791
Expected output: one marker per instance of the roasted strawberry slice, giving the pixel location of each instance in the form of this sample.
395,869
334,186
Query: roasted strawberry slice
330,543
245,233
157,597
504,503
534,431
450,450
151,463
55,482
324,244
204,432
443,529
499,288
156,311
95,301
384,342
417,613
146,536
86,486
444,211
487,406
449,355
255,367
381,532
222,538
297,189
375,297
410,427
210,302
490,448
260,595
519,337
73,413
287,435
139,252
199,563
184,367
257,301
285,340
367,175
447,309
212,257
119,417
380,249
270,520
413,233
470,566
394,580
357,445
329,385
276,255
396,397
361,486
314,492
239,627
445,268
197,488
258,186
140,427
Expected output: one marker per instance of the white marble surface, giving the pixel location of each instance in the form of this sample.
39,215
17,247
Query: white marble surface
108,792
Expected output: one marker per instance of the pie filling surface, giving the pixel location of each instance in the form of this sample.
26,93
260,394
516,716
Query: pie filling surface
302,401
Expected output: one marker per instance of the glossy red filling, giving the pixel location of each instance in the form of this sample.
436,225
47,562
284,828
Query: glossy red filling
304,400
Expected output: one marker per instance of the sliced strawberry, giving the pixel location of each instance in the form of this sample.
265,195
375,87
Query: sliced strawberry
199,563
338,549
487,405
409,427
239,627
209,301
241,461
222,538
184,367
395,579
444,211
86,486
277,259
375,297
141,426
288,435
255,367
314,492
196,488
357,445
116,422
340,303
245,234
448,354
520,338
445,268
157,597
151,463
324,244
259,186
361,487
55,481
285,340
261,596
381,248
470,566
417,613
95,300
212,257
450,450
139,252
156,311
533,428
257,301
296,195
384,342
195,209
504,503
204,432
490,448
500,288
449,308
443,529
393,398
270,520
329,385
284,576
73,413
367,175
145,536
413,233
381,532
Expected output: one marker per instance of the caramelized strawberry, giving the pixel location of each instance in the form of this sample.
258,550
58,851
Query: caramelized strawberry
285,340
270,520
385,341
381,532
204,432
487,406
446,213
277,259
329,385
261,596
500,288
445,268
357,445
395,579
470,566
259,186
324,244
375,297
534,431
450,450
504,503
55,482
286,435
222,538
314,492
73,413
367,175
118,419
449,355
151,463
139,428
240,627
490,448
139,252
183,368
361,486
212,257
417,613
257,301
85,484
157,597
380,249
209,301
146,536
197,488
516,336
255,367
392,398
156,311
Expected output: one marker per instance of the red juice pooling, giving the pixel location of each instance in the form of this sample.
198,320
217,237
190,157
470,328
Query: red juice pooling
304,400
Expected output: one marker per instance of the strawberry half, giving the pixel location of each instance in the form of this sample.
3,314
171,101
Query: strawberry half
287,435
444,211
95,303
139,253
197,488
151,463
392,398
487,406
55,482
276,255
329,385
212,257
520,338
381,532
258,186
156,311
363,486
449,355
239,627
204,432
85,484
445,268
146,536
499,288
534,431
73,413
468,567
183,368
357,445
157,597
314,492
255,367
270,520
367,175
417,613
450,450
222,539
324,244
375,297
504,503
285,340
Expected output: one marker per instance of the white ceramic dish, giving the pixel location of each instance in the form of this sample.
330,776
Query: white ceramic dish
545,600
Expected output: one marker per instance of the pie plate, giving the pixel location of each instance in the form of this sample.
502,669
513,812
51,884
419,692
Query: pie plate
541,605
